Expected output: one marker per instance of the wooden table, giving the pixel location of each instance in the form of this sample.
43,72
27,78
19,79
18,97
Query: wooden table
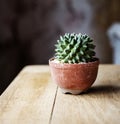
33,98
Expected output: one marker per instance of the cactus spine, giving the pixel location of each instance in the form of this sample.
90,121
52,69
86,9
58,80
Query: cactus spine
74,48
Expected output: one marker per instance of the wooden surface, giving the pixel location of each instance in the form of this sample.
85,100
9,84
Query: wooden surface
33,98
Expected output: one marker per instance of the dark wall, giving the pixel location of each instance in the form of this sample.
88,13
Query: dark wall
26,35
29,29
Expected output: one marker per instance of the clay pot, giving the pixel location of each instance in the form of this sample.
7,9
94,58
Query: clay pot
74,78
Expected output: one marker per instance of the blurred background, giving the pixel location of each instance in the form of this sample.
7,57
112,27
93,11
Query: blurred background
29,29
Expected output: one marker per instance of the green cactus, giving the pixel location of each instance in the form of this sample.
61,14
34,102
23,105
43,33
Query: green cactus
75,48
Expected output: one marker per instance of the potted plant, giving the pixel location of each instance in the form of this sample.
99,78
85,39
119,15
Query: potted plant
74,67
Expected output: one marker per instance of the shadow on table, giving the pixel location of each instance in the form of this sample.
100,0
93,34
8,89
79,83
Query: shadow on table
104,89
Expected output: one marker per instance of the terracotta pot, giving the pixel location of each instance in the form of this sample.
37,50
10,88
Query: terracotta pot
74,78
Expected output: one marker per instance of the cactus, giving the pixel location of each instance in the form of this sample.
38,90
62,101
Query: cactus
75,48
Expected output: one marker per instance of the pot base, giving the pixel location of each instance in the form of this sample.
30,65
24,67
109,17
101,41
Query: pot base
74,92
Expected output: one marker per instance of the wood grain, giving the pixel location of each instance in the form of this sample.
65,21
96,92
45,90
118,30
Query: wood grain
100,105
33,98
29,99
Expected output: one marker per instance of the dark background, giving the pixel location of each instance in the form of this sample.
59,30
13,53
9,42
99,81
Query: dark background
29,29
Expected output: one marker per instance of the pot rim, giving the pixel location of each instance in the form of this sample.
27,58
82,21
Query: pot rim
67,65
